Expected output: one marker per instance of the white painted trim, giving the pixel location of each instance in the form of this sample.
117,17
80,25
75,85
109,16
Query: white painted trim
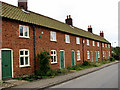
56,57
64,59
11,61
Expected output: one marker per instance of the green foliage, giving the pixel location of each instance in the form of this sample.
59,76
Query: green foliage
86,63
97,64
112,59
43,60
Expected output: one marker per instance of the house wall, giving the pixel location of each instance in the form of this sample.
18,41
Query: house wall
12,40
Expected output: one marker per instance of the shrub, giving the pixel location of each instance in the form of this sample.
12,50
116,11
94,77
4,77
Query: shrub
97,64
43,60
112,59
86,63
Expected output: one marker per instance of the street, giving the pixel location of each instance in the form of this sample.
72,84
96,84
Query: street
104,78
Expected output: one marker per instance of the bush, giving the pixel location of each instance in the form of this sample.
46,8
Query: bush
97,64
43,60
86,63
112,59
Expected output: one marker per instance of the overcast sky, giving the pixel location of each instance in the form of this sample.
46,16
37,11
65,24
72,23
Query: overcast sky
101,14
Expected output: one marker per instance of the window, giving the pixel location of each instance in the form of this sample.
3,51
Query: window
93,43
102,44
103,54
87,42
106,45
53,56
98,54
98,44
24,58
77,40
23,31
53,36
67,38
88,55
78,55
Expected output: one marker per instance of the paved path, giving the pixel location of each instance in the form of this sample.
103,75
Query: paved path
45,83
104,78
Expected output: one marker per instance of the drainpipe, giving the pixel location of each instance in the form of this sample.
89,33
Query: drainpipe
83,48
34,50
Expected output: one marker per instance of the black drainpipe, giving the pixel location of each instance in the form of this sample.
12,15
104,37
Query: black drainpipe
34,50
83,48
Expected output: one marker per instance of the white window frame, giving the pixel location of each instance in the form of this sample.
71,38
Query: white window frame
67,38
98,54
106,45
87,42
24,57
24,31
109,53
78,55
98,44
88,54
93,43
53,36
77,40
102,44
52,55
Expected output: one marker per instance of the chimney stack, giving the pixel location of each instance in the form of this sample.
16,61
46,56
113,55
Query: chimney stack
90,29
22,4
101,34
69,20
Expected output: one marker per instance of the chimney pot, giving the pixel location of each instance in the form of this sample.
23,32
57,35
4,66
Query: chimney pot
69,16
89,29
69,20
22,4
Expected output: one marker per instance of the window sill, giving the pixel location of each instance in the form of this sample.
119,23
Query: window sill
54,63
67,42
53,40
78,60
22,66
78,43
24,37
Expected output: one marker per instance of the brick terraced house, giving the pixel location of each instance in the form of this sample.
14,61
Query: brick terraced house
24,34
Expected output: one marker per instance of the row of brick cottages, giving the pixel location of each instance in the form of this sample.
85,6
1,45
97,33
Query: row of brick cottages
25,34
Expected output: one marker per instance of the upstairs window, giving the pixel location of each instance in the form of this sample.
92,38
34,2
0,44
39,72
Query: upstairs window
106,45
53,56
102,44
87,42
77,40
93,43
88,55
98,44
23,31
53,36
24,58
67,38
78,55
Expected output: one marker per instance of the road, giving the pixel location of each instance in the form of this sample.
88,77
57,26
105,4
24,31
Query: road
104,78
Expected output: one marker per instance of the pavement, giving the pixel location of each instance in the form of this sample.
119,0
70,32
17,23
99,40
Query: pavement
46,83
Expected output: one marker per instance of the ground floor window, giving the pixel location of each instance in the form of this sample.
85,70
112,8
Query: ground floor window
98,54
88,55
53,56
24,58
78,55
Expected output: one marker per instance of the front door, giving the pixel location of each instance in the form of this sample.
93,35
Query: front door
96,56
62,62
6,64
73,58
91,56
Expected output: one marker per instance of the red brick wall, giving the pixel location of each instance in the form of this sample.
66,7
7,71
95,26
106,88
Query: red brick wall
10,32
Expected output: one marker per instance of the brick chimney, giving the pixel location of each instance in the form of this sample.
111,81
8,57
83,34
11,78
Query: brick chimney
69,20
90,29
22,4
101,34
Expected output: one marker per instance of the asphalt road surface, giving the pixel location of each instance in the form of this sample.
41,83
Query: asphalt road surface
104,78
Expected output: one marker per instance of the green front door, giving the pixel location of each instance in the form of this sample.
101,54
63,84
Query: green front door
91,56
73,58
62,59
6,64
96,56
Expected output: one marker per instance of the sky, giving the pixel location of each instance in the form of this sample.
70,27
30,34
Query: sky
102,15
